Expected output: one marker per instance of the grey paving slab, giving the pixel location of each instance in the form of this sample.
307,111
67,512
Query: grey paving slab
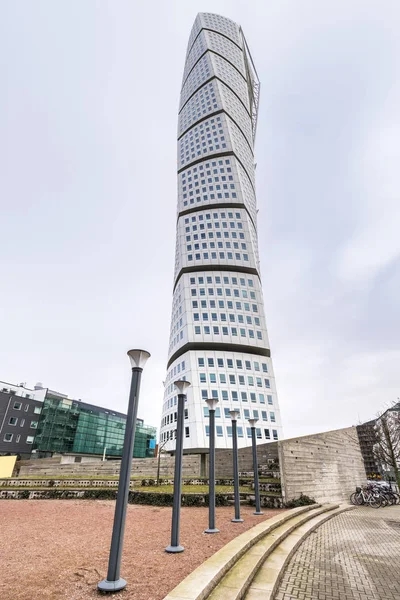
354,556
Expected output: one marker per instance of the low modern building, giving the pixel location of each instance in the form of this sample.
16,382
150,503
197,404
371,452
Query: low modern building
20,408
369,434
387,446
367,438
41,422
72,426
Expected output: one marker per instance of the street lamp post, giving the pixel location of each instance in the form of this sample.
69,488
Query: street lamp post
181,386
113,582
234,415
252,423
212,403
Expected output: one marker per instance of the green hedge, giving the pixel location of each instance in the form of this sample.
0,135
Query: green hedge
166,499
151,498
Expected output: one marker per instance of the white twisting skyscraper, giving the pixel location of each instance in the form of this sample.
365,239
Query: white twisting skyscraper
218,339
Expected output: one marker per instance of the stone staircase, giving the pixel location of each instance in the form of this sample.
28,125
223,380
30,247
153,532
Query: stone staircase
251,565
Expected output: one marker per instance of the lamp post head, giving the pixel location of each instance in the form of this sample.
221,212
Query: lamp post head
182,385
252,422
138,358
212,403
234,414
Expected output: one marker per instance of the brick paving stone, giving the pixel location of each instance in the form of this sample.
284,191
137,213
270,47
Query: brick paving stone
354,556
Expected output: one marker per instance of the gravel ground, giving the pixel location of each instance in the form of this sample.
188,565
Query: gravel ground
58,549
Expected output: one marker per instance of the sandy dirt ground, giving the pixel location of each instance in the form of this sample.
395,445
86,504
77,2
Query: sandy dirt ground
58,549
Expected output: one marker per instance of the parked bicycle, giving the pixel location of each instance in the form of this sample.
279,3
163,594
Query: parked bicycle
366,495
375,496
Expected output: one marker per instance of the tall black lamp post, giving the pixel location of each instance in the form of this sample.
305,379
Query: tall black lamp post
114,582
176,509
234,416
212,404
252,423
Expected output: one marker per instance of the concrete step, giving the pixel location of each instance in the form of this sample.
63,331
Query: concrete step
203,581
267,580
237,581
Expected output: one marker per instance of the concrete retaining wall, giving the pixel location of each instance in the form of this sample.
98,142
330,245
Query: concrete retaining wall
326,466
141,467
266,454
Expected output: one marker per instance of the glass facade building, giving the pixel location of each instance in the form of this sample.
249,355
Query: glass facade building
70,426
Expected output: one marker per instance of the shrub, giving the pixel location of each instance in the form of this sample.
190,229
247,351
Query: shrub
301,501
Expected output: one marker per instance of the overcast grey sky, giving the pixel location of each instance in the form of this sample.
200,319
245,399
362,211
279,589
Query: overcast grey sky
88,117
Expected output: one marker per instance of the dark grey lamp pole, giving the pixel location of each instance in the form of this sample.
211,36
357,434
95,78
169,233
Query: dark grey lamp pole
114,582
212,404
252,423
234,415
181,386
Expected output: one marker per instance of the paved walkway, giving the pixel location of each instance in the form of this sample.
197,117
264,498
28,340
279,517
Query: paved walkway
354,556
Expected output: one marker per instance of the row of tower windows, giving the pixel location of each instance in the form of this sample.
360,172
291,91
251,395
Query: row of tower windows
171,434
207,216
247,414
221,255
216,225
218,235
216,330
216,179
219,432
199,170
205,394
219,280
176,370
212,304
242,319
228,292
229,304
223,379
204,246
230,364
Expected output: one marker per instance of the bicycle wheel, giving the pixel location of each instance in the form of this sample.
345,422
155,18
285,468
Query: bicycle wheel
375,501
384,500
356,498
353,498
390,498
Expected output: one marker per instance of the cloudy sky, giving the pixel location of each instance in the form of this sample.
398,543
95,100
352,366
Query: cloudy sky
88,116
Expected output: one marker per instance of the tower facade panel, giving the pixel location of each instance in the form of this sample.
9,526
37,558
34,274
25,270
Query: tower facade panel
218,337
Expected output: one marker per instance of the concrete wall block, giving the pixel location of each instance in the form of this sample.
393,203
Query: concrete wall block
326,466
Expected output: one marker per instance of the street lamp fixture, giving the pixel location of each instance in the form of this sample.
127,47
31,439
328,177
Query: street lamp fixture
114,582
